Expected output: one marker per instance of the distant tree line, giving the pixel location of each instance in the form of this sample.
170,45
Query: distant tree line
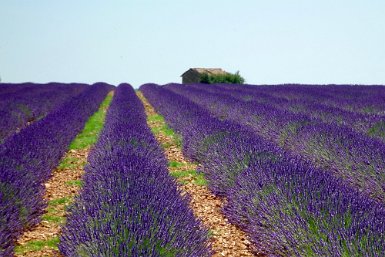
227,78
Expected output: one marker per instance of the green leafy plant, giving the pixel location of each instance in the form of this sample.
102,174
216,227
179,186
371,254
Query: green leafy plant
227,78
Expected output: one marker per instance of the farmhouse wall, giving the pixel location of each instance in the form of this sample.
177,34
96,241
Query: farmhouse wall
190,76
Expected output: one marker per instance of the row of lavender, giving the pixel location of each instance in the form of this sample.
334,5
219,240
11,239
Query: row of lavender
22,104
288,207
359,99
129,205
355,157
326,104
27,159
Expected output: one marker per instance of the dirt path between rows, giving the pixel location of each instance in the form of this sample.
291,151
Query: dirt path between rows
225,238
60,190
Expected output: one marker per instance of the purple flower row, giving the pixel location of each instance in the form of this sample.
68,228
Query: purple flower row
366,100
31,102
129,205
27,159
313,105
288,207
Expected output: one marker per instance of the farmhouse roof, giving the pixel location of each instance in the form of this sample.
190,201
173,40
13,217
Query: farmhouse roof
213,71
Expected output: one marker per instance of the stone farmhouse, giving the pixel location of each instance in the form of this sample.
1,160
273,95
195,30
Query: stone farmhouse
193,75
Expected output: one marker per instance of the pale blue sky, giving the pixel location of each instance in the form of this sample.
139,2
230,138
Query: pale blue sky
139,41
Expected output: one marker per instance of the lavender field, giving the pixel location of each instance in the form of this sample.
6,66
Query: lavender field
299,169
302,167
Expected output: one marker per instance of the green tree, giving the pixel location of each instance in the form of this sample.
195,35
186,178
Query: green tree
227,78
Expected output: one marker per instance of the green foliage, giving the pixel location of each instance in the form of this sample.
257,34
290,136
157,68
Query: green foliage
165,130
53,218
197,177
227,78
155,118
37,245
175,164
69,163
59,201
91,130
78,183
